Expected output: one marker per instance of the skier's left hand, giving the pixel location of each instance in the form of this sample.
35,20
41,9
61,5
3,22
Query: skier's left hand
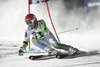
39,35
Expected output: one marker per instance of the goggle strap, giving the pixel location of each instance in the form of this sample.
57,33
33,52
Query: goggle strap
33,19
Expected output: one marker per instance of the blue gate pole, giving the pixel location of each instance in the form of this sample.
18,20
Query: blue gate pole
85,9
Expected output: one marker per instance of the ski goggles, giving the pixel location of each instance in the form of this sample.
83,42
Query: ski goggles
30,22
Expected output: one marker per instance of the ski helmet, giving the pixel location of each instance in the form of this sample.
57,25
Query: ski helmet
30,17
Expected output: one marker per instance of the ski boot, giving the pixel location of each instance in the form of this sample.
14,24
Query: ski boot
74,51
78,52
57,54
53,52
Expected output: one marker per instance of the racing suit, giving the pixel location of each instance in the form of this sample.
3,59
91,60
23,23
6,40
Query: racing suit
44,39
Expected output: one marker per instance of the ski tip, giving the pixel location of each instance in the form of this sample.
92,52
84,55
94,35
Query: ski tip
58,56
31,57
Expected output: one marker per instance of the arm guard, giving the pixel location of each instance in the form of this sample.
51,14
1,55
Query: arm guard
24,45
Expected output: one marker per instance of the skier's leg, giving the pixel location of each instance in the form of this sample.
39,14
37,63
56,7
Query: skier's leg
71,50
43,45
52,40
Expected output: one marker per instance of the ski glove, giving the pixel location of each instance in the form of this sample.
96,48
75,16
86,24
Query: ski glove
39,35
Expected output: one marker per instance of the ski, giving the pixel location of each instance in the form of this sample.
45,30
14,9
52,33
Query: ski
89,53
63,55
38,57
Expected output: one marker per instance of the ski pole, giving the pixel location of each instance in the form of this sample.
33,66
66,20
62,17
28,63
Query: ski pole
67,31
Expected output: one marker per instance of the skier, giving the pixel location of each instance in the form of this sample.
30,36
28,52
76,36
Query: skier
43,38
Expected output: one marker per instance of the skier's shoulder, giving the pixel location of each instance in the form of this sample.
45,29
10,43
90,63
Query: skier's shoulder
27,30
41,21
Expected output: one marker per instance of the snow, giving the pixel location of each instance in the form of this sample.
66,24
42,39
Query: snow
16,61
9,59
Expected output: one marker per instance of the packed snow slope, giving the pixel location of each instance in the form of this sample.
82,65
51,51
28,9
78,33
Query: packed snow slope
66,15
